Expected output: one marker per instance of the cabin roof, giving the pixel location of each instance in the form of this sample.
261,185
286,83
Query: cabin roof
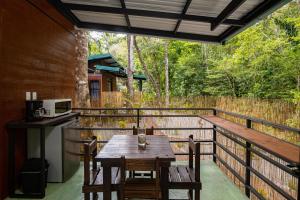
201,20
112,66
107,58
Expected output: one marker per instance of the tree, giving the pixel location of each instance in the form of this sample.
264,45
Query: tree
167,91
130,66
154,82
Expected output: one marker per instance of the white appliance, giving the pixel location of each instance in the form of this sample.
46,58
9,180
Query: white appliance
60,152
57,107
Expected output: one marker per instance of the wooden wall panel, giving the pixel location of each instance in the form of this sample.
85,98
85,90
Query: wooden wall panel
37,53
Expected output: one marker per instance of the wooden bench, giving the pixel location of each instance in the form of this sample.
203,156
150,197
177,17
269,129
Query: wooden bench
284,150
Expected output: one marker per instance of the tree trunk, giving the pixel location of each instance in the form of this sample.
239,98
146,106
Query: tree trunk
167,73
82,98
152,80
130,66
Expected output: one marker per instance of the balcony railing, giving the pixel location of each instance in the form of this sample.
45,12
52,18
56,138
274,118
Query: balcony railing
218,147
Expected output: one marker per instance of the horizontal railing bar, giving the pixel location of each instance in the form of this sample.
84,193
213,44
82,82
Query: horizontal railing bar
231,138
231,154
143,109
125,115
258,174
270,183
105,141
128,129
277,164
254,191
262,121
186,141
194,128
186,153
257,120
251,142
241,179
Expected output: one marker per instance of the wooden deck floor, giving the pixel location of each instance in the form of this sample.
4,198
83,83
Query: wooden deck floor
216,186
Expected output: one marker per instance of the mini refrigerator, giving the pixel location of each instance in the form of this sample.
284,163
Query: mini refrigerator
61,150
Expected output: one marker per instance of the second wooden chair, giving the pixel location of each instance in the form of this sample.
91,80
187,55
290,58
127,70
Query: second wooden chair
187,177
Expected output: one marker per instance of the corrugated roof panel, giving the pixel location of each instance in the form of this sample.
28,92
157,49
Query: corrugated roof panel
245,8
209,8
153,23
172,6
109,3
102,18
200,28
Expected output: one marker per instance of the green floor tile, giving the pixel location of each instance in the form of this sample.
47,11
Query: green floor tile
215,186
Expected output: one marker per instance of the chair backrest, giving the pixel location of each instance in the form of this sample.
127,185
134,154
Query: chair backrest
194,149
90,150
149,131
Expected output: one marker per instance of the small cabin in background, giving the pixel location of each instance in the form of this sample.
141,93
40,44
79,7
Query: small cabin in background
104,73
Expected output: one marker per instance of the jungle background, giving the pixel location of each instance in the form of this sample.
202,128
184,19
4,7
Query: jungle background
256,73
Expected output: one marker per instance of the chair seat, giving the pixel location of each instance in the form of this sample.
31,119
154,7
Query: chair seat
183,176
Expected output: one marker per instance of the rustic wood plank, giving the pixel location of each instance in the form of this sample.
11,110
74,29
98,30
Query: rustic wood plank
127,145
173,174
184,175
284,150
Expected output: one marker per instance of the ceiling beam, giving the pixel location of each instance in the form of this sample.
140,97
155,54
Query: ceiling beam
186,7
125,13
65,11
147,13
253,16
150,32
228,10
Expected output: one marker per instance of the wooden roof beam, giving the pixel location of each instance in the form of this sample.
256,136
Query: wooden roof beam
124,10
186,7
230,8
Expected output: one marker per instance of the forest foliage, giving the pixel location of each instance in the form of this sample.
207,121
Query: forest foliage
261,62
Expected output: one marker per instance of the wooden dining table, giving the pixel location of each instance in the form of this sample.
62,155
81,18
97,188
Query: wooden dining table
127,145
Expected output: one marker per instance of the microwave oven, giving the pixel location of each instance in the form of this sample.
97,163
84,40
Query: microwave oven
57,107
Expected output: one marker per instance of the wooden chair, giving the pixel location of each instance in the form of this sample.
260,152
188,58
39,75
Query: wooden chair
149,131
143,188
187,177
93,177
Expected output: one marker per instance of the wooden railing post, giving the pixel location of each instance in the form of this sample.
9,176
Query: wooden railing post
138,118
214,139
248,163
298,195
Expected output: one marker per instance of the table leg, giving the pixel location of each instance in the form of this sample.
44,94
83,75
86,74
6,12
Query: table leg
42,156
164,182
106,181
11,156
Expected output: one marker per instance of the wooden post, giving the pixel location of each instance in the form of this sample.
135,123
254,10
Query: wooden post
248,163
140,85
214,143
214,140
138,118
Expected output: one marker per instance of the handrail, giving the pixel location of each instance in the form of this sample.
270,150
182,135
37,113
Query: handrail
137,108
262,121
248,148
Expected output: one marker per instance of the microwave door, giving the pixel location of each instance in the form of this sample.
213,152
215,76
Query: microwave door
62,107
